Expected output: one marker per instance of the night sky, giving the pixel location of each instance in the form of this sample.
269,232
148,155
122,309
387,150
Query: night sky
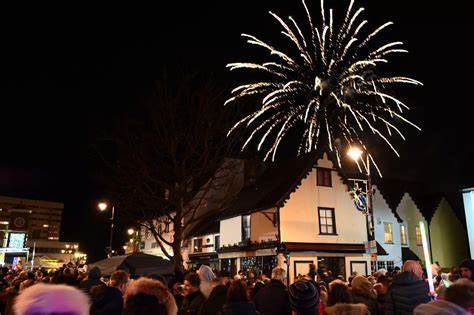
68,73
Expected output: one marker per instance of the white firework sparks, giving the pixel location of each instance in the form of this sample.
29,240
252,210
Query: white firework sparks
331,85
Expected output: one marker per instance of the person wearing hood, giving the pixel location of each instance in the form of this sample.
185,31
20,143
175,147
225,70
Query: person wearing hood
407,290
304,297
92,279
218,296
467,269
458,299
207,277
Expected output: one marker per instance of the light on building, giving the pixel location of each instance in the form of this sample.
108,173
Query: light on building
130,231
67,245
45,225
102,206
63,251
4,222
354,153
131,240
76,246
125,247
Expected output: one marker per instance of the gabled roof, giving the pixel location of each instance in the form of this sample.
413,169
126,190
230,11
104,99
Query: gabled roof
272,188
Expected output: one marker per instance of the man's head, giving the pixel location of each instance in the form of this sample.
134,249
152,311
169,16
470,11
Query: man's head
413,267
304,297
462,294
191,283
119,279
279,274
466,269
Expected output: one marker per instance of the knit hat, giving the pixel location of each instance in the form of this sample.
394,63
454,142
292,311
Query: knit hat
304,297
206,274
361,285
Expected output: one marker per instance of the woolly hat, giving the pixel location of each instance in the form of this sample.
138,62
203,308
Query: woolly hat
205,273
51,298
304,297
361,285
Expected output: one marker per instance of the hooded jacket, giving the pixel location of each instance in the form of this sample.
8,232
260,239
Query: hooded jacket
405,293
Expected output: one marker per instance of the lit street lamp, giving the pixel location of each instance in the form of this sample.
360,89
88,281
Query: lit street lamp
102,206
356,153
130,231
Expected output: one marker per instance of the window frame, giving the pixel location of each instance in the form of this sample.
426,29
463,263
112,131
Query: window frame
418,237
321,179
403,235
333,213
385,233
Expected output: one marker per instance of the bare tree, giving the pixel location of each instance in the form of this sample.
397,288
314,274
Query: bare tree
170,160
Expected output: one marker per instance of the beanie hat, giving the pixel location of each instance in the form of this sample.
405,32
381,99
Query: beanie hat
361,285
304,297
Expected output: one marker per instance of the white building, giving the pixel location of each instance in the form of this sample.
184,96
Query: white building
468,198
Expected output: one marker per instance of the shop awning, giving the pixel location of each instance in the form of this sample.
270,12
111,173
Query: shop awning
325,247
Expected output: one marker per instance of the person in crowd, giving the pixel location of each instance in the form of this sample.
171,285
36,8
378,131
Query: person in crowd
456,299
49,299
92,279
381,290
312,272
362,292
193,298
251,279
140,303
108,300
466,269
304,297
207,276
273,298
146,290
407,290
340,301
238,300
218,295
259,283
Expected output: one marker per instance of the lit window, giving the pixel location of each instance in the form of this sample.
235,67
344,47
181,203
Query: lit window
380,265
323,177
418,236
245,227
403,235
197,245
388,233
327,221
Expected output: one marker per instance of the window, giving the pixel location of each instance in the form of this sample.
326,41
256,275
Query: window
197,245
380,265
323,177
36,234
418,236
390,265
388,233
327,221
216,242
154,245
245,227
403,235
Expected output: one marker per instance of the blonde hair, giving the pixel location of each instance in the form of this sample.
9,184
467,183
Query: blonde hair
279,274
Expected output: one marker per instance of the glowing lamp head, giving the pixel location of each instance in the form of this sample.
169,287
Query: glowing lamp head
102,206
130,231
125,247
354,153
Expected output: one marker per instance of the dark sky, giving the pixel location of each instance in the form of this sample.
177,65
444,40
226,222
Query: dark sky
68,72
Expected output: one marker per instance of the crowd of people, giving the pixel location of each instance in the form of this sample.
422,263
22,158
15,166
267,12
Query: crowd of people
77,291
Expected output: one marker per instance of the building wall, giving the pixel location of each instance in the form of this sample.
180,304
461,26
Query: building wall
448,237
383,214
152,247
261,228
231,231
299,216
412,216
468,199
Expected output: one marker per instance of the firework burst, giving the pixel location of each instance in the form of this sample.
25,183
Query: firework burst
332,85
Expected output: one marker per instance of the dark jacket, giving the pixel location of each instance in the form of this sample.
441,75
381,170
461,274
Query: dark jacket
106,301
93,279
216,300
405,293
273,299
192,304
241,308
370,302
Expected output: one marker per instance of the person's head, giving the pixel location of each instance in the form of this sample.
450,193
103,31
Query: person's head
361,286
304,297
279,274
48,299
143,304
224,277
94,273
466,269
413,267
206,274
462,294
338,293
237,293
191,283
119,279
149,287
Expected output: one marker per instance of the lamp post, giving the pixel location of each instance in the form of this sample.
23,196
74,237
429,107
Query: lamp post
356,153
102,206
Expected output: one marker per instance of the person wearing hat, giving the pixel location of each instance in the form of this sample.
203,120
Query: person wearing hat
304,297
467,269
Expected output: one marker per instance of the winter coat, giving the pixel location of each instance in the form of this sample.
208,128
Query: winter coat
93,279
439,307
370,302
215,302
241,308
192,304
405,293
273,299
107,301
347,309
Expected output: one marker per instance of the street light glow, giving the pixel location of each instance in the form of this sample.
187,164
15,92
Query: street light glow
102,206
130,231
354,153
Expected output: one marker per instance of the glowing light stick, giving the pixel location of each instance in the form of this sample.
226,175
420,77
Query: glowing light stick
426,252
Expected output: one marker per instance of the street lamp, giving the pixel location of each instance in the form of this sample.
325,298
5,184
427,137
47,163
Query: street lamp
356,153
130,231
102,206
